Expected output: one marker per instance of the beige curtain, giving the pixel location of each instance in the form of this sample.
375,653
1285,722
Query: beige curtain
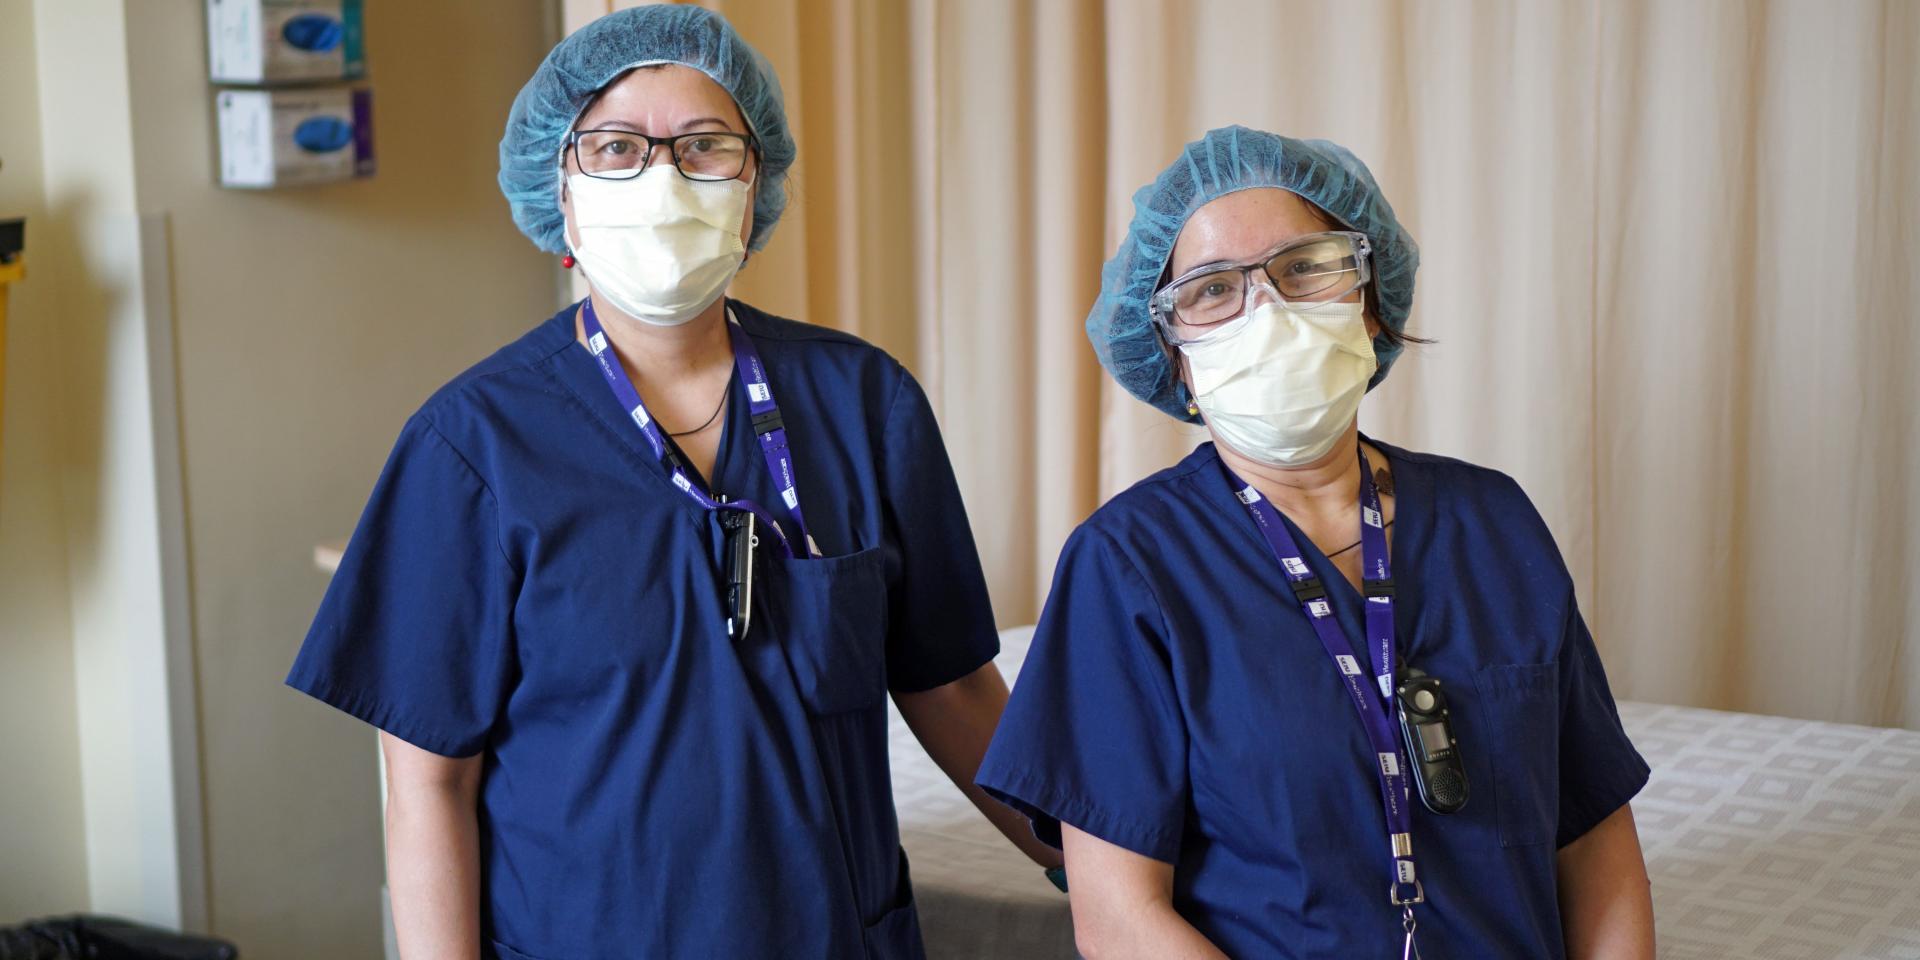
1669,252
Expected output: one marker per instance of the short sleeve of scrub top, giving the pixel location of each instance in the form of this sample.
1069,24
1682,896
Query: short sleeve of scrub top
1098,681
424,589
926,645
1603,771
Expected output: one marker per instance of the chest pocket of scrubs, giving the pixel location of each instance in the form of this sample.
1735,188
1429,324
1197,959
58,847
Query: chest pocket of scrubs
831,616
1520,713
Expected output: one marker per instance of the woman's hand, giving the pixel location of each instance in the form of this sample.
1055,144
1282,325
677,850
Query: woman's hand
433,851
1123,904
1606,902
955,722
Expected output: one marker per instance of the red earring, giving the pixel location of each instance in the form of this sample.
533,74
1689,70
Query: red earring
566,262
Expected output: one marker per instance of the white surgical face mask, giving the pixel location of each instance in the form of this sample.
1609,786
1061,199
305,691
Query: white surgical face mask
659,247
1282,387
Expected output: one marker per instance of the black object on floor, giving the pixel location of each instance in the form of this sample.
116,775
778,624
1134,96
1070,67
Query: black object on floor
82,937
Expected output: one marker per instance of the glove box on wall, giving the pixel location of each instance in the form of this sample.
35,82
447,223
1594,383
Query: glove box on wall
284,41
274,138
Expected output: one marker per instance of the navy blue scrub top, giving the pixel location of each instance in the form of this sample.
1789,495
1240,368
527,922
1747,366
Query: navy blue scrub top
526,582
1176,702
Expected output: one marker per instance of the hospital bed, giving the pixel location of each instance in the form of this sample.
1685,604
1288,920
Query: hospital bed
1767,838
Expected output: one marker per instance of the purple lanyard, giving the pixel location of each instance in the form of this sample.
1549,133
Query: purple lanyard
767,425
1373,705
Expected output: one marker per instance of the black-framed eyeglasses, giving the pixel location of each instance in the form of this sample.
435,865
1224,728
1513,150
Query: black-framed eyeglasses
624,154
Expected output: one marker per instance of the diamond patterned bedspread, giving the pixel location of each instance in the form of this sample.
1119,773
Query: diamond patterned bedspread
1779,839
1767,838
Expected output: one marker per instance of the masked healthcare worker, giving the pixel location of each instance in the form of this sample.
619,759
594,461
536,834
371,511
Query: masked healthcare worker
630,595
1307,694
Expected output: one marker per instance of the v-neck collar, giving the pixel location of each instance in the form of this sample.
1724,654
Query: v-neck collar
1404,551
736,396
580,374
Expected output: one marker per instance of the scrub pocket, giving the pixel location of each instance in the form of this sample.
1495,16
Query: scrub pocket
1520,712
504,952
831,616
896,935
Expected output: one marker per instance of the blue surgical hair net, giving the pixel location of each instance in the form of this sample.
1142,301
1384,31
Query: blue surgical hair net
1225,161
595,55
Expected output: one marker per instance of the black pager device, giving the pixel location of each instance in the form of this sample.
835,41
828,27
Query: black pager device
1432,749
742,538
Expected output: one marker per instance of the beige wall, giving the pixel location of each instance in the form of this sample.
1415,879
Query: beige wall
301,327
310,323
119,477
42,849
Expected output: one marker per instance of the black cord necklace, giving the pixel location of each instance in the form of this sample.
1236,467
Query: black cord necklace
715,415
1383,482
1350,546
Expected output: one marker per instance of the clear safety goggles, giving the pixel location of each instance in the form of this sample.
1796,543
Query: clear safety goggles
1307,271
